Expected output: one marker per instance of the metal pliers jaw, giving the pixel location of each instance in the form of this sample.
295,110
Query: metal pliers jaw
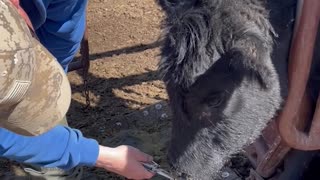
155,168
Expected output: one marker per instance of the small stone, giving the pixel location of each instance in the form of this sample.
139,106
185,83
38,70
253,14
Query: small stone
225,174
4,73
164,116
145,113
15,60
119,124
158,106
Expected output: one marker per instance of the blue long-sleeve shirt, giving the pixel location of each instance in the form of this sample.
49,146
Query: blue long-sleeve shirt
61,147
59,25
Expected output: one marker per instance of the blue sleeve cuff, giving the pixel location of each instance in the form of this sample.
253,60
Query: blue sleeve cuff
89,151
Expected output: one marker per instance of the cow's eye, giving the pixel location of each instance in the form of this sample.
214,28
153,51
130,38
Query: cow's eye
214,100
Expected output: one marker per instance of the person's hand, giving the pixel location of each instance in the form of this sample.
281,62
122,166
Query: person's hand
125,161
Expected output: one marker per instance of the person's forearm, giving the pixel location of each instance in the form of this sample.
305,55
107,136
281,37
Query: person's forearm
61,147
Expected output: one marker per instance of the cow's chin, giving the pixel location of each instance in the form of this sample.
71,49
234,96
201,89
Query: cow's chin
197,162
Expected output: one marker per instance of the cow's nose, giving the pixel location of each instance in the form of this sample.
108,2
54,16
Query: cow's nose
175,171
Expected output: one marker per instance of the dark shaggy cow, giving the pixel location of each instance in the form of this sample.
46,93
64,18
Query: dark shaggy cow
224,63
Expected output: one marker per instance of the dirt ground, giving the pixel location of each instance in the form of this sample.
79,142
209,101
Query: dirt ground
123,82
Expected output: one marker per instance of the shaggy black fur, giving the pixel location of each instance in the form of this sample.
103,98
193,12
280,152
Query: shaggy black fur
224,65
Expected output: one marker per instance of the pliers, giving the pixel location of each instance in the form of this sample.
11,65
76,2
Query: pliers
155,168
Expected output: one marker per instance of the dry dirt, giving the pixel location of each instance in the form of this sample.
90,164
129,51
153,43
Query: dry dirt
123,81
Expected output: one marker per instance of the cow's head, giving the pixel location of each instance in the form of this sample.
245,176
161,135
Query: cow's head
221,83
